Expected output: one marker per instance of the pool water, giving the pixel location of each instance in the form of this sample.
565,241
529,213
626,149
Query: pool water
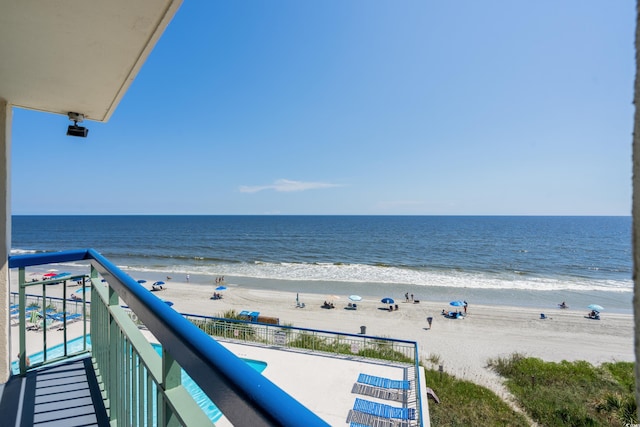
196,392
199,396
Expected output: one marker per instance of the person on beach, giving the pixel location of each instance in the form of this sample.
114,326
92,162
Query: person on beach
465,307
406,296
187,278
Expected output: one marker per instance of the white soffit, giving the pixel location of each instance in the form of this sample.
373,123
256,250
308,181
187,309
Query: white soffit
76,55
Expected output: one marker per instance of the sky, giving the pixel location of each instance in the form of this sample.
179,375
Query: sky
354,107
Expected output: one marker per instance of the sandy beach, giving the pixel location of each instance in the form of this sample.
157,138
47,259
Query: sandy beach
462,346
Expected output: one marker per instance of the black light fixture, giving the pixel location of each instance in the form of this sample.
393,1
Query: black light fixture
74,129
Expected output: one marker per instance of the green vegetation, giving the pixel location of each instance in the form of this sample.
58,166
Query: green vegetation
551,394
571,393
338,344
464,404
222,328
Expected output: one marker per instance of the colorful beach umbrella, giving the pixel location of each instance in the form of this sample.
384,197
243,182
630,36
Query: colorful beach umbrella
457,303
49,275
355,297
387,300
595,307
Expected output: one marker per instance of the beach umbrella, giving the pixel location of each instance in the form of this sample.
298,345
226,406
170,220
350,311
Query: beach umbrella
49,275
86,288
169,303
141,281
52,270
221,288
159,283
355,297
595,307
59,275
387,300
457,303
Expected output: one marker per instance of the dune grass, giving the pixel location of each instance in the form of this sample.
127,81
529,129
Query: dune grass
571,393
551,394
463,403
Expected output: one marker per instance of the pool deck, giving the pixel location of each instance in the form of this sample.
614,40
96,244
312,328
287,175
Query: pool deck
323,382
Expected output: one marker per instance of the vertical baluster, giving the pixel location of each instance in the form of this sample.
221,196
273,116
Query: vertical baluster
114,347
127,380
22,318
171,378
151,400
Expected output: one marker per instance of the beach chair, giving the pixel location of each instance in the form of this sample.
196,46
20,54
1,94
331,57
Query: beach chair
61,317
383,411
379,393
384,382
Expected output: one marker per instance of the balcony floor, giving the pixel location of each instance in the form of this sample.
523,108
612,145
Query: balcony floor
65,394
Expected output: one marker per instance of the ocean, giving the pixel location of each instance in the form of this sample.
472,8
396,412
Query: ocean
512,260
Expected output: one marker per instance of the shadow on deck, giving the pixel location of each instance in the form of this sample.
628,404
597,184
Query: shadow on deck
65,394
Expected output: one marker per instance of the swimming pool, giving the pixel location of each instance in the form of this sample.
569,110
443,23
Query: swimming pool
196,392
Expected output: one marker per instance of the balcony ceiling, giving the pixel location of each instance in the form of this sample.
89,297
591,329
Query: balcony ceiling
76,55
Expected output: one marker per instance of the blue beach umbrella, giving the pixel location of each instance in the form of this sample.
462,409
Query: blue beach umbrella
457,303
387,300
159,283
595,307
221,288
86,289
141,281
59,275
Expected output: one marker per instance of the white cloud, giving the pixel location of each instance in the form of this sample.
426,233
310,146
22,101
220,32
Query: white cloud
286,185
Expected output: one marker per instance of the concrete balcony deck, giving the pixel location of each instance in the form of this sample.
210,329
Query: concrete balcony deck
66,394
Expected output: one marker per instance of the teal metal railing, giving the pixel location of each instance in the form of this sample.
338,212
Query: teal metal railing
43,316
142,388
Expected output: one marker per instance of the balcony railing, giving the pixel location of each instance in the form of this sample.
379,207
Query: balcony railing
144,388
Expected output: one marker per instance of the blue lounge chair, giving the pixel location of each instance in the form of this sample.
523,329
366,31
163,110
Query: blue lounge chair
383,382
383,411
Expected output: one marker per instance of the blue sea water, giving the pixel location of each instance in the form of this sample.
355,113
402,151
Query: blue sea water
490,259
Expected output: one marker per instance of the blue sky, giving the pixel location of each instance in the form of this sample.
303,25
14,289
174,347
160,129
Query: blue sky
356,107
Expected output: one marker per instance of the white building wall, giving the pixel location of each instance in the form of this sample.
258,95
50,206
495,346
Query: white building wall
5,236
